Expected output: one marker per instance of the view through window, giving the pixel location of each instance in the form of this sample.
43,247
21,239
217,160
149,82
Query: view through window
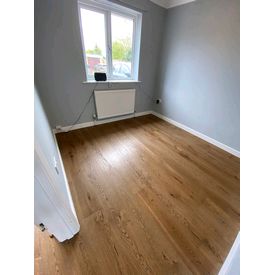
110,43
122,50
93,27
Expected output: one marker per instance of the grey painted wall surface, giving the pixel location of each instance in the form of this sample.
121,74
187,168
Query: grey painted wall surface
59,66
199,76
189,58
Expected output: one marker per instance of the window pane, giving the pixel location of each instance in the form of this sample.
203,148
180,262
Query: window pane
93,27
122,37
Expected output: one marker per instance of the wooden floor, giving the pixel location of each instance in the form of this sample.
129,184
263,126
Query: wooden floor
150,198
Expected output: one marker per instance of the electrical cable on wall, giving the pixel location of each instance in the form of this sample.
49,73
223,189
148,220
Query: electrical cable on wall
83,110
141,85
90,100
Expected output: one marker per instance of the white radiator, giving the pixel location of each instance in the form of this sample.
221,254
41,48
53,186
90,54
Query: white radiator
111,103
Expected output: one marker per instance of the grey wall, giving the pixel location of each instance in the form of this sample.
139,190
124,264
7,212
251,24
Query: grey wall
199,76
189,58
59,66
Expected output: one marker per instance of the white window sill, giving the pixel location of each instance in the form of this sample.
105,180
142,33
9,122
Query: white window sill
111,81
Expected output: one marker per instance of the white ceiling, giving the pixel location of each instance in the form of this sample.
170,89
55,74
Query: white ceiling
171,3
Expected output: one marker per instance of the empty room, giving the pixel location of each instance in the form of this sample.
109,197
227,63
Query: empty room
137,137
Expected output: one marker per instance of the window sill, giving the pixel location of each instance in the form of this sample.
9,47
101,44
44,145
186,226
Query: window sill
111,81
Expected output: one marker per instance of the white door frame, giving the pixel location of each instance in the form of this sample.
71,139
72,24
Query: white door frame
50,208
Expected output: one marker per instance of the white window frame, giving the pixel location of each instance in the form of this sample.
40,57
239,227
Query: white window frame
107,8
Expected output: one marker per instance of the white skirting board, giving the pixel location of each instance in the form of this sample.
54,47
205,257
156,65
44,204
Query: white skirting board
175,123
98,122
200,135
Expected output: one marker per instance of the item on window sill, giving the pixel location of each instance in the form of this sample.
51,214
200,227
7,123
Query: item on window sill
100,76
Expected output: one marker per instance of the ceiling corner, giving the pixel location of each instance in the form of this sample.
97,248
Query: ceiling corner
162,3
167,4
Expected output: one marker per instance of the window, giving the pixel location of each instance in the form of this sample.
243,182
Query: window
110,39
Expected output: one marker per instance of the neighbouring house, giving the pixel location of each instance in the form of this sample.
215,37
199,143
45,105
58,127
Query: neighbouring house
93,60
